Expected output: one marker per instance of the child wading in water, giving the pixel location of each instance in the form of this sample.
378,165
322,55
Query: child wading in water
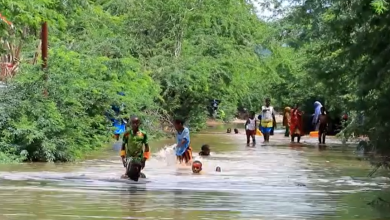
250,128
323,126
132,153
183,148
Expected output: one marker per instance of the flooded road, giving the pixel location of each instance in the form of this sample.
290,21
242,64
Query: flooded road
273,181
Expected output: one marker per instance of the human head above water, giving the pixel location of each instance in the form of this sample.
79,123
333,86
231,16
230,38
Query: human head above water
179,124
135,122
196,166
267,102
205,150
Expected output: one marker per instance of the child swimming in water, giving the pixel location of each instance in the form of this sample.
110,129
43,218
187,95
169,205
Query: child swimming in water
196,166
183,148
205,150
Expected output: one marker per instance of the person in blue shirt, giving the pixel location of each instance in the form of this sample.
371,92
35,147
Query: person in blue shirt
183,147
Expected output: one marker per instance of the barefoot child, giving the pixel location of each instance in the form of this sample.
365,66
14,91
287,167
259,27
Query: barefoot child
132,152
250,128
183,148
323,126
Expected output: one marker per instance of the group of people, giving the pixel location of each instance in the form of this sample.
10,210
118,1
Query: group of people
135,149
292,120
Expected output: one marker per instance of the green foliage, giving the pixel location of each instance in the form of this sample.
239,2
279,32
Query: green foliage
344,49
70,121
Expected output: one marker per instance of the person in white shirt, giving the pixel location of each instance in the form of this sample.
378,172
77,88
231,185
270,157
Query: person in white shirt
268,121
250,128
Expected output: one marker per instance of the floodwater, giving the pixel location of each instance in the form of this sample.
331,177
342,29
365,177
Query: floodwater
273,181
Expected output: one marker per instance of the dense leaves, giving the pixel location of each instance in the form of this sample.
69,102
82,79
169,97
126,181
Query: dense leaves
345,48
172,57
169,58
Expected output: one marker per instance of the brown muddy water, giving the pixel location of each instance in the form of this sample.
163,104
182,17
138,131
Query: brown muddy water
273,181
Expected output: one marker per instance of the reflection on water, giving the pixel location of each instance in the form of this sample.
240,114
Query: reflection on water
277,181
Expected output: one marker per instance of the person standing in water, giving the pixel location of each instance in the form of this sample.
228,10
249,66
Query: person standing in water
296,124
323,126
250,129
317,112
287,121
267,119
183,148
132,153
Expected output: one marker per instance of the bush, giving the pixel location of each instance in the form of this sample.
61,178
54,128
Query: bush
70,121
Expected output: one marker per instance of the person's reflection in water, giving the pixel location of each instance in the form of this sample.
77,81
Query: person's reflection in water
295,146
134,198
322,147
179,204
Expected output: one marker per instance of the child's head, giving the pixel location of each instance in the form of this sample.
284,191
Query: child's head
196,166
205,150
252,115
267,102
218,169
135,122
322,110
236,131
229,130
179,124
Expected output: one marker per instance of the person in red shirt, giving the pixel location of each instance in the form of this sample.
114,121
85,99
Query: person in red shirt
296,124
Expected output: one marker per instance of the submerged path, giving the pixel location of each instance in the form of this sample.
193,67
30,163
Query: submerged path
275,181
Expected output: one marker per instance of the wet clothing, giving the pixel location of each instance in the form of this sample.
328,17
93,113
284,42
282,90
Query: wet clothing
250,128
296,123
134,144
183,151
186,157
267,121
317,113
250,132
322,128
251,124
323,123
